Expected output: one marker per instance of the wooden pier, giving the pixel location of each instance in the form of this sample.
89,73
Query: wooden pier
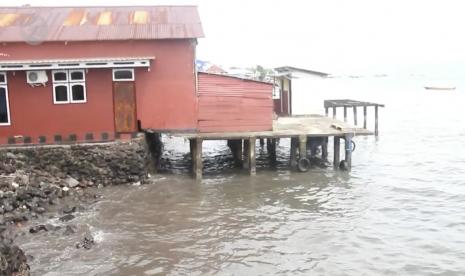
346,104
304,131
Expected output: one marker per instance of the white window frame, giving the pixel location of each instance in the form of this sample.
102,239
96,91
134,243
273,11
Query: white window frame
70,92
4,77
69,83
5,86
124,69
77,70
60,71
54,92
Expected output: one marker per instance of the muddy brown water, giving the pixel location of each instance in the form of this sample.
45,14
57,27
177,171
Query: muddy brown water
401,211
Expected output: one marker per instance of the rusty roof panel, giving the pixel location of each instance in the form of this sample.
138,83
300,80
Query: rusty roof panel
99,23
105,18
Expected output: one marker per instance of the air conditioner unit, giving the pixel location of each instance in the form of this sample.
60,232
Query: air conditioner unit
36,77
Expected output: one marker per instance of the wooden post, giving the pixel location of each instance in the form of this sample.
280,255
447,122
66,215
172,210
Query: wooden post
245,158
355,115
324,149
337,152
192,150
236,150
326,111
348,149
376,121
334,112
345,114
365,117
303,146
294,145
252,161
262,142
198,165
271,148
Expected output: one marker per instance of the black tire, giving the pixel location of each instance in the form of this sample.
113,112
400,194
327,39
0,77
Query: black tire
303,164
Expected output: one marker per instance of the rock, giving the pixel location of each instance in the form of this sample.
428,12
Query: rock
87,242
22,179
69,230
67,217
37,229
69,210
71,182
39,210
13,261
64,191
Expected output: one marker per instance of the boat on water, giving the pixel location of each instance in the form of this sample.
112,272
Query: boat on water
440,87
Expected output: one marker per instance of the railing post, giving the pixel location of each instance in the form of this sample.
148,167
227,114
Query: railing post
365,117
355,115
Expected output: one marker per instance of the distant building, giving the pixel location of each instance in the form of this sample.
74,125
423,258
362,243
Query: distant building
292,86
215,69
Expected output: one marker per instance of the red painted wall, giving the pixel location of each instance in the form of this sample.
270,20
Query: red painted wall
232,104
166,97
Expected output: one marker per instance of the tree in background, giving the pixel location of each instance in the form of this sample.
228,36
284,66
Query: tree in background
261,73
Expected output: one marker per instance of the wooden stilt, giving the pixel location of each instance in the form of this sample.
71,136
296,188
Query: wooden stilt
192,152
334,113
303,146
236,150
262,142
337,152
348,150
365,117
271,148
252,161
324,149
326,111
355,115
376,121
198,165
345,114
245,158
294,145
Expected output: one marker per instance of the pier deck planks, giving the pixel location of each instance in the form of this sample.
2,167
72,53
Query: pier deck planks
286,127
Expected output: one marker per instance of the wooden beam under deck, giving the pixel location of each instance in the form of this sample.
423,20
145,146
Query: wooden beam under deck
299,129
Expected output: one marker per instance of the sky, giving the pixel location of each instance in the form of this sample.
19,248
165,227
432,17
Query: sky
336,36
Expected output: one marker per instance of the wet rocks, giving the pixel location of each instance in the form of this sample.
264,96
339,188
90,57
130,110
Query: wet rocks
37,229
13,261
87,242
71,182
69,230
67,217
69,210
35,179
75,166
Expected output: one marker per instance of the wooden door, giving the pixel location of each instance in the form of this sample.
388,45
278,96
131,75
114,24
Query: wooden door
285,103
124,100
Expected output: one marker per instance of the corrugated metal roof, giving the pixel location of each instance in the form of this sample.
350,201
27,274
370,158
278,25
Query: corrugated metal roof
72,60
20,24
53,64
285,70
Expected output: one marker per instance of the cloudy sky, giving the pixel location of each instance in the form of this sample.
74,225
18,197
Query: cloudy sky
338,36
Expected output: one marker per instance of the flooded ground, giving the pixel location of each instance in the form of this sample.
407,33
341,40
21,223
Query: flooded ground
401,211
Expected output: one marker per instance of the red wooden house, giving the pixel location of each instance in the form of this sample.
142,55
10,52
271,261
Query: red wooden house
99,73
93,73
